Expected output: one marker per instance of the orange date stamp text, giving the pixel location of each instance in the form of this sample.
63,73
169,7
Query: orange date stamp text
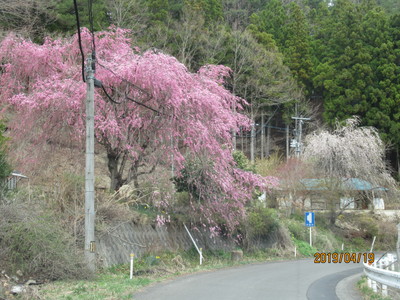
346,257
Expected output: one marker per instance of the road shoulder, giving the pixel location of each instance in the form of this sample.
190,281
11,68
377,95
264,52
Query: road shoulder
346,289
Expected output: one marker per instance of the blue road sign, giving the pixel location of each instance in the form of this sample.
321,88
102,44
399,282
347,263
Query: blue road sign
309,219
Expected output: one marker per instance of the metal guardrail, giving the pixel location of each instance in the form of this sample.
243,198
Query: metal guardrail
377,273
389,278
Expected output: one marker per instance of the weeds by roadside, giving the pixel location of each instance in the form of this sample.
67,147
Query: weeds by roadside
114,282
368,293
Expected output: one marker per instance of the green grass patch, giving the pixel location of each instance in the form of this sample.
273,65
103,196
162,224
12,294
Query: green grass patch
114,282
304,248
111,284
368,293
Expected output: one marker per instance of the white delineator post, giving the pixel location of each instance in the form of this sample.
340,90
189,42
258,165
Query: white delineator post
374,286
384,290
195,245
373,242
131,269
391,260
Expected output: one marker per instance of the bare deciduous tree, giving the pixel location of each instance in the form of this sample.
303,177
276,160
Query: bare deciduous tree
260,77
347,152
29,17
130,14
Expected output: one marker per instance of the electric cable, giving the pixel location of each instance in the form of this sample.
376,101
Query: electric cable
124,80
80,39
97,82
91,26
128,98
144,105
108,96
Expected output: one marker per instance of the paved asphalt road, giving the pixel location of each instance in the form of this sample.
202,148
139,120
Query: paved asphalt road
289,280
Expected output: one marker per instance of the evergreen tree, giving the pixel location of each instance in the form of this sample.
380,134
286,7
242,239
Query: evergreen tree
289,27
297,46
358,69
390,6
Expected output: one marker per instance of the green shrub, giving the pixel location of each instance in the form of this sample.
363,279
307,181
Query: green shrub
297,229
268,166
324,240
369,226
322,220
262,221
5,167
304,248
242,162
368,293
387,236
218,254
359,244
35,243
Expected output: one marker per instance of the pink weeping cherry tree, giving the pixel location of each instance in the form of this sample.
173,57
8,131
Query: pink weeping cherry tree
184,115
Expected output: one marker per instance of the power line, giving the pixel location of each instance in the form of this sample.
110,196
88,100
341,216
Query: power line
126,96
98,83
124,79
80,39
108,96
91,27
142,104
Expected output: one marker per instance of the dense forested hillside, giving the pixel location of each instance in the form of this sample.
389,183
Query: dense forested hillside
328,60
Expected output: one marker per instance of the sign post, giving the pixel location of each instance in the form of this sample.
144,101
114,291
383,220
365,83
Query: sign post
309,221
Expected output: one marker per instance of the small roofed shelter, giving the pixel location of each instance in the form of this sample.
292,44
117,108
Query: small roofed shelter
351,193
13,179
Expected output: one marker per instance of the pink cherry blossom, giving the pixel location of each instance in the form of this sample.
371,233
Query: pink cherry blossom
42,86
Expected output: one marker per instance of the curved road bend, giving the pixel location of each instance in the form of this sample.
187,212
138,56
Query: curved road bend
288,280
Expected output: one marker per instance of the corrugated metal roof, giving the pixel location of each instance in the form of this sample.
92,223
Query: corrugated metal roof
351,184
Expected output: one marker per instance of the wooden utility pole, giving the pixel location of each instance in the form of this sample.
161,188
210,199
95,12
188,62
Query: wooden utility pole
90,242
262,135
268,145
287,142
252,140
299,133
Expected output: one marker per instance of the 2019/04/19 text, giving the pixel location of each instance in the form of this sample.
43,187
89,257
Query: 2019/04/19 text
322,257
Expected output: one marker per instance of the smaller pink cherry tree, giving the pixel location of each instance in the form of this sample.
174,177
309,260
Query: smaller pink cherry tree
42,86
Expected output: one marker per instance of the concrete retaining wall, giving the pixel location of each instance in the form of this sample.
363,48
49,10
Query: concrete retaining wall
115,245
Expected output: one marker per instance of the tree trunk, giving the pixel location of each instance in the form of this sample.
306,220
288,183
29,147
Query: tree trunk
287,142
332,218
262,135
115,175
252,138
234,139
134,175
398,161
242,140
268,147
